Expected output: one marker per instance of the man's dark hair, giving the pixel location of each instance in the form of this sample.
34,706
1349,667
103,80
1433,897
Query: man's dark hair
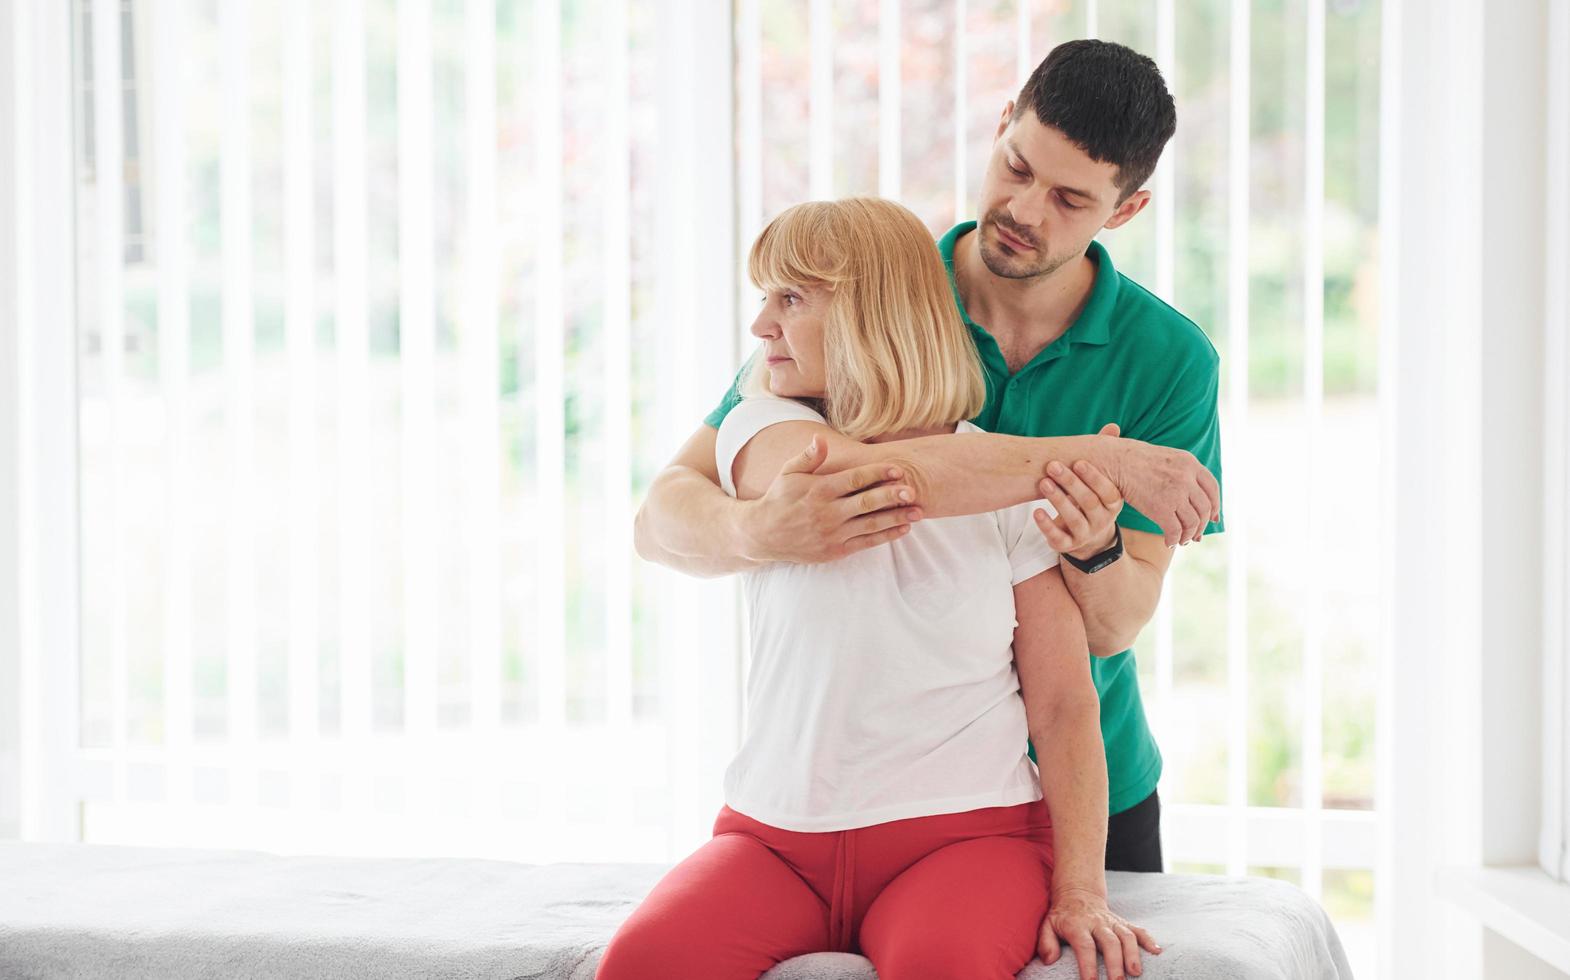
1110,100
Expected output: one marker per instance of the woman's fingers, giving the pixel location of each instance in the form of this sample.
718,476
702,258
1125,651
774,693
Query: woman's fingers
1084,946
1111,952
1048,946
1130,949
1146,940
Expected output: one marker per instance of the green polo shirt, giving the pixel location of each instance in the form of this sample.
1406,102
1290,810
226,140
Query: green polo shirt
1128,358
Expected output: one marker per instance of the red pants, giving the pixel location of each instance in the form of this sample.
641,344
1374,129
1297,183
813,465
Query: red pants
957,896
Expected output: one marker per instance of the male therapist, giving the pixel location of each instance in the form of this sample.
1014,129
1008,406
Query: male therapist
1068,345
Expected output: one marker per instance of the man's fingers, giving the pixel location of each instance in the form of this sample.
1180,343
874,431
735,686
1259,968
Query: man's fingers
877,498
1207,480
808,460
881,520
1086,498
1059,539
866,541
1171,529
1100,484
1110,429
859,478
1193,524
1070,517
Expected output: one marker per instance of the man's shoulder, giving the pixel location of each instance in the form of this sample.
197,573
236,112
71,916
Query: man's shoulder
1153,326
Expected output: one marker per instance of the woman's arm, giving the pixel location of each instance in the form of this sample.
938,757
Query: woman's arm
973,472
949,475
689,524
1064,715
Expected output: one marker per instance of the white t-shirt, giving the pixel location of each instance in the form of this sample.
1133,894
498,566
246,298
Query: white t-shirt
882,685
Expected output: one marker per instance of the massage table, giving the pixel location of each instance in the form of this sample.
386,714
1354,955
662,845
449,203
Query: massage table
145,913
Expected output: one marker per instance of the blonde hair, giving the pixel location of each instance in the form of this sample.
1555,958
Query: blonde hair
896,354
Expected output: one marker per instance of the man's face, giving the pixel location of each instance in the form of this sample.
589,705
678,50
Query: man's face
1043,199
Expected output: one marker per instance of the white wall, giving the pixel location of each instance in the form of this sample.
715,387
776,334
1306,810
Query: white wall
1462,750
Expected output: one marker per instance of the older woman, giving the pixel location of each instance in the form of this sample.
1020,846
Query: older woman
883,800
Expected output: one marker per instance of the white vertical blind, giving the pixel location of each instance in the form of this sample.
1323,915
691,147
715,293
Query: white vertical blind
548,324
49,693
820,21
416,357
239,343
890,99
300,333
616,292
15,351
961,89
478,336
110,246
1023,64
352,368
1314,399
169,92
1237,411
749,150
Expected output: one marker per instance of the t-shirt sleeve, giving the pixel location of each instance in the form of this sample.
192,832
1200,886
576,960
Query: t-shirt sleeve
1029,552
1189,419
732,397
746,419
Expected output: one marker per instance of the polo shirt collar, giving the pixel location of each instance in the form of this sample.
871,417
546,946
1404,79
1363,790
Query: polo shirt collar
1090,327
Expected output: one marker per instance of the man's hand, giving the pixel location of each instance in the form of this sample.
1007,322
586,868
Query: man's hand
1167,485
1087,502
807,518
1082,920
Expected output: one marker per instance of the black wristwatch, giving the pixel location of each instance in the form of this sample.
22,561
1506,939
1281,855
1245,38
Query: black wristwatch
1096,563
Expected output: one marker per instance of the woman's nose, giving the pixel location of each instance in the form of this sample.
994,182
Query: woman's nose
764,326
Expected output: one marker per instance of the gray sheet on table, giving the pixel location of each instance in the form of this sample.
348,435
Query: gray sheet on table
89,910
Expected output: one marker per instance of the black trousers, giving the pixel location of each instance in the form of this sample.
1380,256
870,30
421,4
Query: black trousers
1134,837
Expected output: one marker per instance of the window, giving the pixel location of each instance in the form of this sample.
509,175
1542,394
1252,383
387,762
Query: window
392,309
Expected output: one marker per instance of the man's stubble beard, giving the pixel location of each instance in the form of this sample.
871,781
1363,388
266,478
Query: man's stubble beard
1006,267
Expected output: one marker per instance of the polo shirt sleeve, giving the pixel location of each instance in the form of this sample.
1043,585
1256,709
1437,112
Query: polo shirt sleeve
1189,419
732,397
1028,550
746,419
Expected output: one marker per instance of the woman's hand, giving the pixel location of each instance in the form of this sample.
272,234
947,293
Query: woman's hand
1082,919
1087,502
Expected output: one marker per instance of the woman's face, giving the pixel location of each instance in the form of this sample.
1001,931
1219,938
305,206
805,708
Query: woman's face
791,328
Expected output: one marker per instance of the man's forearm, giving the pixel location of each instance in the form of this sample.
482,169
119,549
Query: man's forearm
1116,602
1073,767
688,524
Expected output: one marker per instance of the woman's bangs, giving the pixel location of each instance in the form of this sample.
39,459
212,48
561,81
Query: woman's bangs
788,255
